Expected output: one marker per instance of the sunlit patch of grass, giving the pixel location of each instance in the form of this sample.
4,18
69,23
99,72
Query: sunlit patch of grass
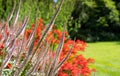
106,55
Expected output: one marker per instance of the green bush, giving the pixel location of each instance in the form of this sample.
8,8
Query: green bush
96,16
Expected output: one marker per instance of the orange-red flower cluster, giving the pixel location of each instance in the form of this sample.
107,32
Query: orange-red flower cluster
9,66
1,47
76,65
0,36
39,29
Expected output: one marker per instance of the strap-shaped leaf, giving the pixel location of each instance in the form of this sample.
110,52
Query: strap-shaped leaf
40,59
62,62
11,15
58,51
17,15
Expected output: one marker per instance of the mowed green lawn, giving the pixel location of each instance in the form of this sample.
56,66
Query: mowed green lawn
107,57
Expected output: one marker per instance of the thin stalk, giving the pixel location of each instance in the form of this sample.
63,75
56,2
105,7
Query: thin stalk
17,15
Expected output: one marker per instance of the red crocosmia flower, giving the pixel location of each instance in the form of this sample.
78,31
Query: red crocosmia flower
82,42
0,36
9,66
39,31
1,46
27,33
1,53
66,33
66,47
74,51
93,69
76,72
67,66
57,31
86,71
41,20
70,42
33,26
6,31
90,60
63,74
40,23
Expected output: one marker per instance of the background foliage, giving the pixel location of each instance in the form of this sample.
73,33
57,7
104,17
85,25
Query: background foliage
96,20
89,20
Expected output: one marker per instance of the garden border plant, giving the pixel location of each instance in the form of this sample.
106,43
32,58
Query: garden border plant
32,52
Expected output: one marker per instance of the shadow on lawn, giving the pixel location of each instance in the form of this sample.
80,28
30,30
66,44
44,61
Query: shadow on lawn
117,42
